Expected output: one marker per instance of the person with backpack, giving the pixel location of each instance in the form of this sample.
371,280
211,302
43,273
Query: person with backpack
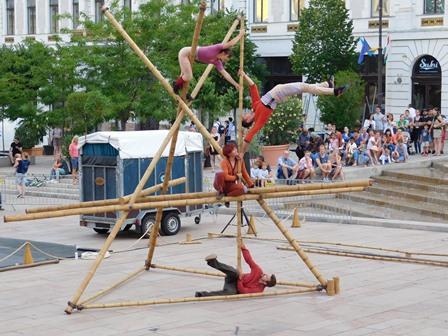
21,165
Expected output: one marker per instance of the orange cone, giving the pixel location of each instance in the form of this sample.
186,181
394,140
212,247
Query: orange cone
28,257
295,219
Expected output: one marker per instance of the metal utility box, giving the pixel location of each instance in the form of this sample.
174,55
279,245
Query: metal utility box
112,164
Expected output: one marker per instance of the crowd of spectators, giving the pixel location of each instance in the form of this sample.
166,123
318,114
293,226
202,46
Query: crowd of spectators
380,141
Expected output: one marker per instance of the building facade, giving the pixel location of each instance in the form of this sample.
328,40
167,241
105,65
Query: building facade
416,69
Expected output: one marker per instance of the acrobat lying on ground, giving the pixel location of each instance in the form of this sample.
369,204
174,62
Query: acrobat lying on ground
264,106
216,54
245,283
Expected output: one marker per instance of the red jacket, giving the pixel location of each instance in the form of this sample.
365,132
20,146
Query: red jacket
250,282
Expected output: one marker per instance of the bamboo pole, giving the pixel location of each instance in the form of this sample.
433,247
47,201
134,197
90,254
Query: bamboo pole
177,201
120,221
112,201
197,299
311,186
162,80
229,235
419,261
169,164
219,274
114,286
239,205
292,242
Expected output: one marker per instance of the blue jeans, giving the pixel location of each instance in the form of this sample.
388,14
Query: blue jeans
55,173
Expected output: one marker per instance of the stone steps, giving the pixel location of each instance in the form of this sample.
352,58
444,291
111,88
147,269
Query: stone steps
430,175
410,193
442,166
398,203
393,181
356,209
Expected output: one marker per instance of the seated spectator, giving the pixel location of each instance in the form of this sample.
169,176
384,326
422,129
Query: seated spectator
287,167
389,141
364,157
255,172
403,123
400,154
352,153
385,157
306,169
57,170
373,148
336,166
323,163
264,175
303,142
333,144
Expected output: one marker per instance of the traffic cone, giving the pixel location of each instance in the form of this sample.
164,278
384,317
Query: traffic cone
295,219
27,256
189,240
252,229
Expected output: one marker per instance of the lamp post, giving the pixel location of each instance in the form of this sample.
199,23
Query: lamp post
380,53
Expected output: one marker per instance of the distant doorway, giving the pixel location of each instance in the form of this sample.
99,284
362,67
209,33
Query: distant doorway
426,83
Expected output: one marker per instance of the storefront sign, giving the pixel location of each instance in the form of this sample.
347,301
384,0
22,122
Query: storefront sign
427,65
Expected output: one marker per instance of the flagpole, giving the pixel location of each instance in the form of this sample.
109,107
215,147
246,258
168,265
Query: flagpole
380,53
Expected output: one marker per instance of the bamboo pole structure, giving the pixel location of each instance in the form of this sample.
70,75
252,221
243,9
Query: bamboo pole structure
176,202
117,227
180,114
156,73
114,286
197,299
222,275
112,201
419,261
292,242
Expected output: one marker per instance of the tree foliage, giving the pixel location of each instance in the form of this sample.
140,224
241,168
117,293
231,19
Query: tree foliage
344,110
324,42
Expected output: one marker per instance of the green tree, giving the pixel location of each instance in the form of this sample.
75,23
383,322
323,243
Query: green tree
344,110
85,110
324,42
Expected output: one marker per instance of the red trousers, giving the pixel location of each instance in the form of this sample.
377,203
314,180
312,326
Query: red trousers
262,114
227,188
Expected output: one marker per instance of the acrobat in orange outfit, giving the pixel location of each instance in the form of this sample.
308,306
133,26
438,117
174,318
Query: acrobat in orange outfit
227,182
264,106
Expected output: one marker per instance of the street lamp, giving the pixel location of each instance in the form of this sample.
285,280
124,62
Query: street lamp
380,53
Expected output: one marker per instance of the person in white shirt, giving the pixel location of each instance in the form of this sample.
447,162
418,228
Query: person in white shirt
264,174
412,112
306,169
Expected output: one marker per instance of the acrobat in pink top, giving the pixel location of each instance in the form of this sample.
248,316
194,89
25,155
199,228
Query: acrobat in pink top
208,55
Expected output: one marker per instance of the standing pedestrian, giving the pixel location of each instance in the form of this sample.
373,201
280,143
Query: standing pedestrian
56,136
213,152
74,157
21,165
14,149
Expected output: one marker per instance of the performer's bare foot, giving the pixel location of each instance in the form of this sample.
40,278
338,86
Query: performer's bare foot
340,90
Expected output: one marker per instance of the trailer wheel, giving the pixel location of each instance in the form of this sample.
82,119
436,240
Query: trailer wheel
197,219
147,222
170,224
101,231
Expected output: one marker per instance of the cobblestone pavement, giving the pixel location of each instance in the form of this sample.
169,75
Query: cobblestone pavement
377,298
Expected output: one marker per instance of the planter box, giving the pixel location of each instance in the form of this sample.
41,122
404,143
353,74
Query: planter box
35,151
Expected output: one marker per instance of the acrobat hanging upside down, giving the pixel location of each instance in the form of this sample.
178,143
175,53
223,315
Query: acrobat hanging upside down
264,106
